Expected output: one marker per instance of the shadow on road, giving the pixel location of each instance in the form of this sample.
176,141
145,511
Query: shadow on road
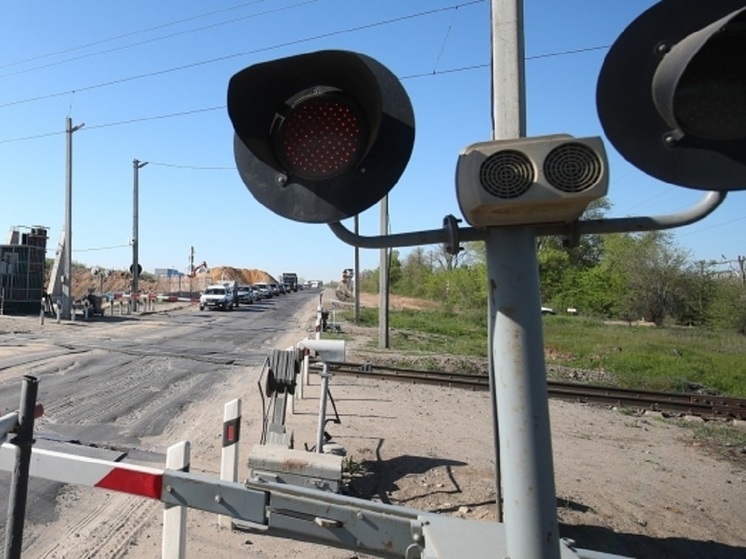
599,538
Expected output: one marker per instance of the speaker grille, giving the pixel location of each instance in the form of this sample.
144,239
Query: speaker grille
573,167
507,174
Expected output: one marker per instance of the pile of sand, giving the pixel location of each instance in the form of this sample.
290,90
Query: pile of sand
241,275
121,281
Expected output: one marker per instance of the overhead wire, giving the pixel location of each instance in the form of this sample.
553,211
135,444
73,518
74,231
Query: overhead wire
454,8
567,52
155,117
155,39
445,39
714,226
125,35
118,123
99,248
240,54
191,167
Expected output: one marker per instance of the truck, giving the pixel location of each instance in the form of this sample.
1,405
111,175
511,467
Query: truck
218,296
290,280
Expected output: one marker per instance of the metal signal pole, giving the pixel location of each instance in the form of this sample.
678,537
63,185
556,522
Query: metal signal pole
356,275
136,166
517,367
383,280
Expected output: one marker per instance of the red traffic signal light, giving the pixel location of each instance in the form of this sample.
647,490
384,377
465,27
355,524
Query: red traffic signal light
320,137
671,95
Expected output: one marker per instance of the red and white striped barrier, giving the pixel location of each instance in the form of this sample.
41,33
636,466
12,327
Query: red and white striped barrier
91,472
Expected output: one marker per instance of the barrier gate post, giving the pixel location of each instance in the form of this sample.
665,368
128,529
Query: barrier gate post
173,545
19,481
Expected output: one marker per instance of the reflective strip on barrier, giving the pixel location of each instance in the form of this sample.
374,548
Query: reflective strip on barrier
91,472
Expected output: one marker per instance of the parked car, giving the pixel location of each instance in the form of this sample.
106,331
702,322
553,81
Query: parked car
245,294
216,297
258,295
547,310
264,290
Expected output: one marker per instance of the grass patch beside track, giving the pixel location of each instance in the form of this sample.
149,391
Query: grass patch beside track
669,359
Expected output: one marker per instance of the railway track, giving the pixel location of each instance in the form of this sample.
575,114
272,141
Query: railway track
703,405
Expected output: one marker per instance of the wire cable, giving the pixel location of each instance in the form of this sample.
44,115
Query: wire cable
445,39
125,35
154,40
156,117
99,248
225,57
192,167
713,226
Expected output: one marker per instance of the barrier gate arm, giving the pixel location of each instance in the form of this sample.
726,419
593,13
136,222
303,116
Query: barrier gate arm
289,511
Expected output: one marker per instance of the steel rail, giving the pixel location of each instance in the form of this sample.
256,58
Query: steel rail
703,405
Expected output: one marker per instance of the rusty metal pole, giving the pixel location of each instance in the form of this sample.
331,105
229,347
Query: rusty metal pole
19,482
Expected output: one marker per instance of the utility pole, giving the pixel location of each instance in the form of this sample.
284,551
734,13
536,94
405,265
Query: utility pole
136,166
356,274
67,269
191,270
383,280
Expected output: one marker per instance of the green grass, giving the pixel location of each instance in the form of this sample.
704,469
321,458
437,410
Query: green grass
669,359
674,359
717,433
431,331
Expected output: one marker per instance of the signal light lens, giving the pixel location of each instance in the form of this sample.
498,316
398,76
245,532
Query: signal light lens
710,100
320,137
671,94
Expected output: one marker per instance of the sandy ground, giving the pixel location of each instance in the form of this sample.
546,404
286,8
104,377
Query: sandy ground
628,484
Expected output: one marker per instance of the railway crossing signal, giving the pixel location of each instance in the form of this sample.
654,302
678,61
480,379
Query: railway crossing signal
671,95
320,137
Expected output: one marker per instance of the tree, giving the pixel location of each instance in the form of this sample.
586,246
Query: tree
395,269
589,248
728,308
444,260
416,272
652,273
699,291
554,269
561,265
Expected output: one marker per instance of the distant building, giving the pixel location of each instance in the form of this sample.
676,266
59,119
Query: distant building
22,271
167,273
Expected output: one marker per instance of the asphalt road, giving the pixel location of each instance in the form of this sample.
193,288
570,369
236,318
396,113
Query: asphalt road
112,381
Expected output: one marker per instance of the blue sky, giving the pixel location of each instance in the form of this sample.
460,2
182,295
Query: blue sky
148,80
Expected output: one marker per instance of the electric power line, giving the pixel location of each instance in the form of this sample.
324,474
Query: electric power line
192,167
225,57
125,35
445,39
99,248
207,109
240,54
154,40
118,123
440,72
155,117
713,226
568,52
